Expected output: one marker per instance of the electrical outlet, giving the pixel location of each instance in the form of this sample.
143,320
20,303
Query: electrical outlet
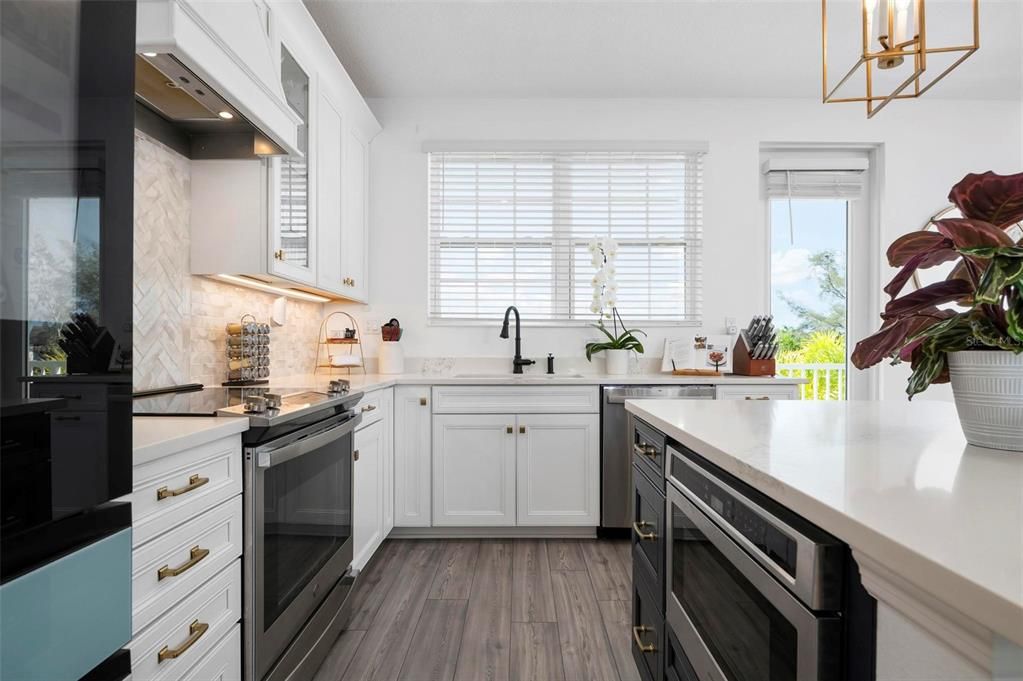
730,326
373,327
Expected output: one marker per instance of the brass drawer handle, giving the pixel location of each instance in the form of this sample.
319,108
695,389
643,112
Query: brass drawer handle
195,631
369,407
637,632
509,430
644,536
422,401
765,397
645,450
194,482
194,556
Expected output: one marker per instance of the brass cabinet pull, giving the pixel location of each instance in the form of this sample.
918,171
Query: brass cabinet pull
355,455
509,430
422,401
194,556
195,631
369,407
765,397
637,632
644,536
194,482
645,450
522,429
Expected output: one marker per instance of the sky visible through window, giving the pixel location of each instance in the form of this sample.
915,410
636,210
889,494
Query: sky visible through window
819,225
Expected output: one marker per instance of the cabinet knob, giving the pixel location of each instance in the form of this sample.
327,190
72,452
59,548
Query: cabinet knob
279,254
422,401
509,430
355,455
522,429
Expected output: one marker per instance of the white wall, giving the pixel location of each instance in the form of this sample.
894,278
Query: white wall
927,146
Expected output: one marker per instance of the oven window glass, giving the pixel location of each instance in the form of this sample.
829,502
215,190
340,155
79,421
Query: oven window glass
748,637
306,519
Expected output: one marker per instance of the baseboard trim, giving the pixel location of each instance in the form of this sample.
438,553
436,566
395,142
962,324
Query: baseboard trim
493,533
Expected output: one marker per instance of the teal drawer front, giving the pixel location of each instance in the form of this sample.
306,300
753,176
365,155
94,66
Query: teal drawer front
63,619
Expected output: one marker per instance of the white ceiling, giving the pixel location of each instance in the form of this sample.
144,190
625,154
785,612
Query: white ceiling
622,48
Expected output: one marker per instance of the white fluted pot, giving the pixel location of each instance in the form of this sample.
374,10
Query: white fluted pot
617,362
988,389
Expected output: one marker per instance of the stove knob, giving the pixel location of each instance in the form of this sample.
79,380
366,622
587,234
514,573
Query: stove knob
255,404
273,400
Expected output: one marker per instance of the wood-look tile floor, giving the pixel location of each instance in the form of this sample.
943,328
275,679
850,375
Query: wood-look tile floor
490,610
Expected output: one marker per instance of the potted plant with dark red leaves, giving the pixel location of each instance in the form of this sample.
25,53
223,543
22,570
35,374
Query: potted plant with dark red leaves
967,329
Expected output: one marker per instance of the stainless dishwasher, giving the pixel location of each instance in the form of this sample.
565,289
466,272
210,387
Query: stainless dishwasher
616,445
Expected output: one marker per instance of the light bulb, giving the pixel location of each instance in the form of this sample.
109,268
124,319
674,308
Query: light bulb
226,115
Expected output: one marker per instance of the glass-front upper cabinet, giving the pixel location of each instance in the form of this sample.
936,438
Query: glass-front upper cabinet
293,228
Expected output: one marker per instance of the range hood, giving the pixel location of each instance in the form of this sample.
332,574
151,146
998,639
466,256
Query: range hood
208,80
184,112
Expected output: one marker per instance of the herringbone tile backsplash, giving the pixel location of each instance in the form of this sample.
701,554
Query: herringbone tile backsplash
179,318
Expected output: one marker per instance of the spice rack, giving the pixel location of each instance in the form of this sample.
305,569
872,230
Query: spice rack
248,352
324,344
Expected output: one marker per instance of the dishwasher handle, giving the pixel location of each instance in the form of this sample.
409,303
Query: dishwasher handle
618,395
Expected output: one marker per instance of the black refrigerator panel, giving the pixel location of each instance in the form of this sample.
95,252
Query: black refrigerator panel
66,205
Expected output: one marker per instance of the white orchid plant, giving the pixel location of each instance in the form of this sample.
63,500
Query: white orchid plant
605,300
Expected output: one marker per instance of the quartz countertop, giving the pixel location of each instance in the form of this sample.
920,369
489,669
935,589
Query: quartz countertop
895,480
367,382
157,436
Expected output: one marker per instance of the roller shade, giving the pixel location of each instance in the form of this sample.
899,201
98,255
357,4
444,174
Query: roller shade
513,228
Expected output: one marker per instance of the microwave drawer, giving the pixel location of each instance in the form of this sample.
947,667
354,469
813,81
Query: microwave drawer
173,489
168,568
181,637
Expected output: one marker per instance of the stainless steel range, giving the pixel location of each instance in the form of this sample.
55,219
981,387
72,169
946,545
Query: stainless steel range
298,517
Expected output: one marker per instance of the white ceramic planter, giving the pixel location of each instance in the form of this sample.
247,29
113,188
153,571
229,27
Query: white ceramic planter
988,389
617,362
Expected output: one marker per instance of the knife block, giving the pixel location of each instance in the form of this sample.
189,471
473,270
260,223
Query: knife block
744,365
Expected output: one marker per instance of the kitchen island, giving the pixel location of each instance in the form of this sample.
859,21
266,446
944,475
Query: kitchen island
934,525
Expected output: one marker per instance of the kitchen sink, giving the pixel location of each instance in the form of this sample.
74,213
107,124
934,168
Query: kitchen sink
519,376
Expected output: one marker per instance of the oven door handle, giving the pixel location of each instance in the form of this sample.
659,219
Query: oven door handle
274,457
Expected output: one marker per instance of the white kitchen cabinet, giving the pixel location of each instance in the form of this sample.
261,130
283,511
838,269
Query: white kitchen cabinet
558,469
367,493
373,476
412,468
301,221
474,469
757,392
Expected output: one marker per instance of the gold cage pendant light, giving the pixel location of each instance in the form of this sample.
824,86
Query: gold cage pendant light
895,45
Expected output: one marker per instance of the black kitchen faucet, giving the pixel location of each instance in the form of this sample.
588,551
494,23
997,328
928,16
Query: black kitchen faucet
518,362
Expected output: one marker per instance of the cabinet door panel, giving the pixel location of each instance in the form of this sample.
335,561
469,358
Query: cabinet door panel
367,494
558,469
355,226
294,177
412,428
329,195
474,470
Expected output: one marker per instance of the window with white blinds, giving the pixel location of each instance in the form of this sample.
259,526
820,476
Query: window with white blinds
512,228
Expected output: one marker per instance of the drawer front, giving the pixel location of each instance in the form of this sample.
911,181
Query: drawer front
372,407
181,555
554,399
648,632
648,535
648,449
757,392
189,482
223,663
79,396
189,630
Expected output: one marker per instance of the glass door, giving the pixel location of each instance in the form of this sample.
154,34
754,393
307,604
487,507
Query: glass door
293,241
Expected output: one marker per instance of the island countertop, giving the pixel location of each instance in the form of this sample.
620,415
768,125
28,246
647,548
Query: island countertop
894,480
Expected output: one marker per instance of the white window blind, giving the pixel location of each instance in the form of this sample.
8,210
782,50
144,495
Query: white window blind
513,227
816,178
